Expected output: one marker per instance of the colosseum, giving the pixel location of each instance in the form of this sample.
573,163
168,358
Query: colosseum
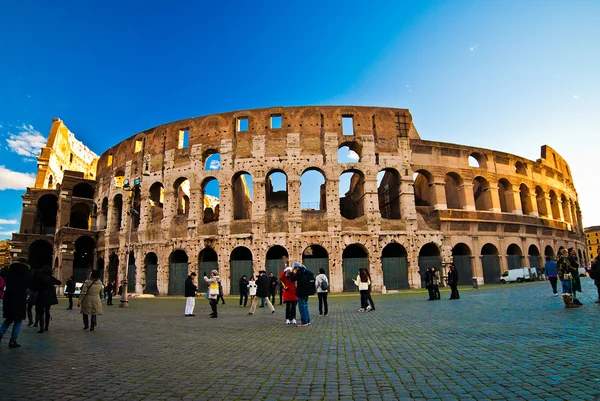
333,187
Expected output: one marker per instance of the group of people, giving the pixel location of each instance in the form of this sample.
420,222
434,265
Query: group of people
433,280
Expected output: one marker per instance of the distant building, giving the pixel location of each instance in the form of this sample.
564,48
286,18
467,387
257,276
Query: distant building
592,239
4,254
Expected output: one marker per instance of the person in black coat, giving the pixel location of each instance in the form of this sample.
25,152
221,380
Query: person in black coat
453,281
109,289
262,292
429,283
244,290
46,297
576,280
190,294
70,290
18,279
274,282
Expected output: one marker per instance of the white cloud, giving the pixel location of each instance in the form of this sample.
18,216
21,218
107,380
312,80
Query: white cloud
353,156
27,142
473,48
576,97
14,180
214,165
5,221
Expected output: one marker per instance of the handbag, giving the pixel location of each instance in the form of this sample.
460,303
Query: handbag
213,289
567,276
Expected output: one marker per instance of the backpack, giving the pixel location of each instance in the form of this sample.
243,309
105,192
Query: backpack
324,285
309,280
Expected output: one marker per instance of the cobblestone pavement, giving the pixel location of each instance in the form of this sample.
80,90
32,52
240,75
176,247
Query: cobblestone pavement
513,341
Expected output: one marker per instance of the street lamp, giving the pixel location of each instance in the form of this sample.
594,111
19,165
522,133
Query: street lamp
132,213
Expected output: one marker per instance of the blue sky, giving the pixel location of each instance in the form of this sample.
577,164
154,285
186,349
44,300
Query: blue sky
506,75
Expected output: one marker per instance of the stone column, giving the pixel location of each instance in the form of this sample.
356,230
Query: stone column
465,196
438,193
494,197
513,201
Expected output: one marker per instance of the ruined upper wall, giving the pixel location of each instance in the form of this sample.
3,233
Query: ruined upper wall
63,152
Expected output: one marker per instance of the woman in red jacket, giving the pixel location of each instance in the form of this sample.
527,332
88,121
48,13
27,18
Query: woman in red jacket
289,296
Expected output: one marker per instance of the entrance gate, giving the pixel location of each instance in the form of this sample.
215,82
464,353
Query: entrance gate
238,269
425,262
151,280
395,273
350,267
178,272
463,268
491,269
131,278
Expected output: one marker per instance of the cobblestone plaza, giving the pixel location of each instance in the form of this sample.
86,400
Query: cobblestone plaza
513,342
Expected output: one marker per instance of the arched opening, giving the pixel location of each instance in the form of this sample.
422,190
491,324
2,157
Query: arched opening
534,257
395,267
276,190
520,168
117,212
211,195
462,260
151,264
354,257
100,268
315,257
131,273
182,196
157,200
429,256
514,257
47,209
208,260
477,160
113,267
80,216
540,198
349,152
83,258
274,262
565,209
240,262
481,194
422,185
137,209
451,184
490,263
554,205
178,272
103,219
388,192
39,254
242,196
525,196
549,251
352,194
312,190
503,193
83,190
212,160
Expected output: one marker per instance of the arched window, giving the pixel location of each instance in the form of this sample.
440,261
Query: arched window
182,196
242,196
352,194
388,193
312,190
276,189
211,195
349,152
451,184
422,185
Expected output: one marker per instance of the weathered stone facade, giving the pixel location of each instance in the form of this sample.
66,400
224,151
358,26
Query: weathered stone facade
428,206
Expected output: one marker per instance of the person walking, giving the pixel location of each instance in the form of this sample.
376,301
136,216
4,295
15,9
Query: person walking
190,294
322,284
369,297
565,274
594,273
305,286
244,290
286,264
109,289
362,282
89,300
436,283
46,297
14,304
273,283
576,280
70,290
252,289
551,273
220,296
262,292
288,288
429,283
213,291
453,281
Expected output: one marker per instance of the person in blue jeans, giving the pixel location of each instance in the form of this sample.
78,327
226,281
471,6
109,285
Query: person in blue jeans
301,276
18,280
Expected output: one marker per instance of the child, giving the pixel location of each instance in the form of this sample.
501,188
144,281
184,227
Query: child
252,289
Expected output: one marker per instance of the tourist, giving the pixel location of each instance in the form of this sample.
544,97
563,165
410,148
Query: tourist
429,283
213,291
594,273
369,298
436,283
252,289
220,296
305,286
109,289
262,292
46,297
288,288
89,301
244,290
2,285
14,304
322,285
453,281
190,294
551,273
31,299
362,282
286,264
565,274
273,282
69,291
576,280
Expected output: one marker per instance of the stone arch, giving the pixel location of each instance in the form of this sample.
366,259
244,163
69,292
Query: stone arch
178,271
181,188
554,207
315,257
477,160
100,268
565,209
388,192
157,200
208,260
80,216
540,197
394,265
451,186
83,190
211,198
211,160
274,259
151,268
514,257
349,152
39,254
83,258
481,194
276,189
525,196
549,251
46,214
352,202
520,168
354,257
240,262
429,256
533,255
117,212
422,181
113,268
462,260
312,190
490,263
242,195
131,273
103,219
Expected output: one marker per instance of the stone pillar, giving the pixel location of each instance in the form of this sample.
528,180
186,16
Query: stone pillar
560,209
513,201
465,196
438,193
533,201
494,196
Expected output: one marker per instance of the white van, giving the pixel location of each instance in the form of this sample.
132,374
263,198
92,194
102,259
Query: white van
518,275
77,289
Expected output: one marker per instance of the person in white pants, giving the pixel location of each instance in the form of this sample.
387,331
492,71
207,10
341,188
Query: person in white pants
190,295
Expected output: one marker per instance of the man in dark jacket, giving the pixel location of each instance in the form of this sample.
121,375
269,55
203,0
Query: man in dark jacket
262,292
17,280
190,295
301,276
273,282
453,281
244,290
429,283
109,289
576,280
70,290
